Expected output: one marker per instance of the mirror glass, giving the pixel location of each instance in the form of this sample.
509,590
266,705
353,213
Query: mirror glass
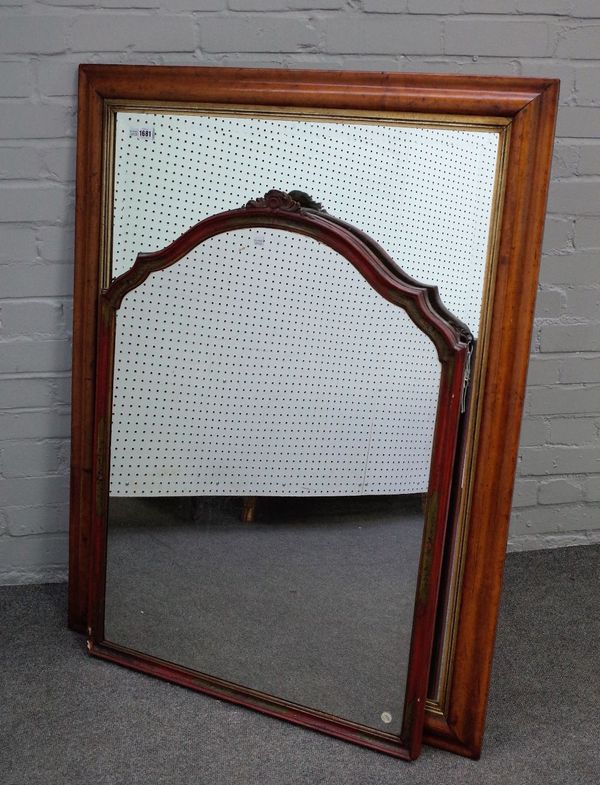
423,193
271,439
273,415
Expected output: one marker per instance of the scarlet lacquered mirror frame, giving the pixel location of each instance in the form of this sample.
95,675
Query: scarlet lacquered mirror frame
454,344
522,111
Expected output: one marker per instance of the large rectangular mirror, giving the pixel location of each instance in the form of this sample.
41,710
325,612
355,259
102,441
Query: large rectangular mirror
291,393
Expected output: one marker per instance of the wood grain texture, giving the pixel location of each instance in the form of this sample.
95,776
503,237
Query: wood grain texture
528,106
85,309
512,308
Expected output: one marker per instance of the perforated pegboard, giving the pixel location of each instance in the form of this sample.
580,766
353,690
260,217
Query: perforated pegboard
424,194
264,364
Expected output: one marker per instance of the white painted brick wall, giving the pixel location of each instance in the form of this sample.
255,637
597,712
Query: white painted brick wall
557,494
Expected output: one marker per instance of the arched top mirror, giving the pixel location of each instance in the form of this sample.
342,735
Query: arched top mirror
282,435
297,212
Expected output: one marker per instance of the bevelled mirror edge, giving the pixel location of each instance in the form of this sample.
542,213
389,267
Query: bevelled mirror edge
528,106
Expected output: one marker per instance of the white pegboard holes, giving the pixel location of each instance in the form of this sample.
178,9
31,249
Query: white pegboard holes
264,364
309,410
424,194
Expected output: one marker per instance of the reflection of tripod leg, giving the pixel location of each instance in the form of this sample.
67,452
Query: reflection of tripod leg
249,509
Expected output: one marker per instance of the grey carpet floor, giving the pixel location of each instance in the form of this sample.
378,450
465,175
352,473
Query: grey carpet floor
67,718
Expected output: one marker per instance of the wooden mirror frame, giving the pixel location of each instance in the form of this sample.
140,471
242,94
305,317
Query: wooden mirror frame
453,343
524,109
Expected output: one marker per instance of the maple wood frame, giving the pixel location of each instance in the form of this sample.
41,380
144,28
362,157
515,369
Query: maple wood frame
523,110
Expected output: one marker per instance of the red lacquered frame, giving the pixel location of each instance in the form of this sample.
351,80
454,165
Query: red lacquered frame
526,109
453,343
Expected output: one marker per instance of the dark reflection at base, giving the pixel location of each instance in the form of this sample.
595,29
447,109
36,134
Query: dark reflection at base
312,601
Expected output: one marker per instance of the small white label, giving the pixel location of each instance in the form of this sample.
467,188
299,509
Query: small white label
142,132
386,717
259,239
